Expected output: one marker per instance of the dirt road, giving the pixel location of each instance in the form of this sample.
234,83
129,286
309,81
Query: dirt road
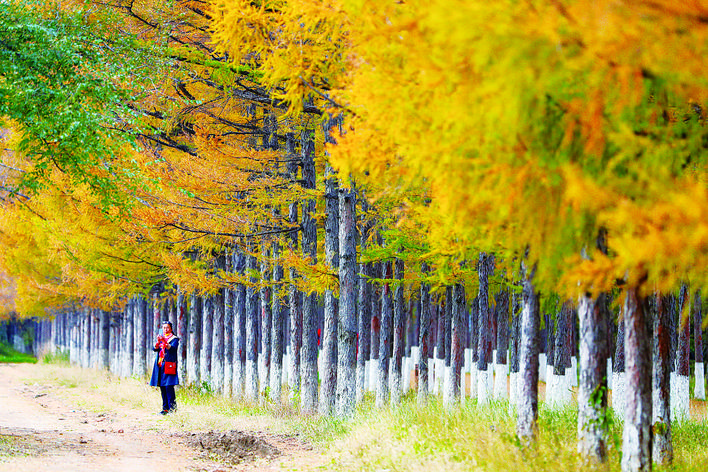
43,429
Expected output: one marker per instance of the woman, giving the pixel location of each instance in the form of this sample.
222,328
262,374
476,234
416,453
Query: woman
164,373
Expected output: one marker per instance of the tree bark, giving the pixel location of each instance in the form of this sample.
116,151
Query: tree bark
485,268
240,316
277,336
457,348
266,323
526,423
228,295
424,339
699,387
205,352
364,350
104,339
294,295
382,388
592,390
251,380
347,329
398,334
331,306
308,367
637,434
662,450
140,324
195,340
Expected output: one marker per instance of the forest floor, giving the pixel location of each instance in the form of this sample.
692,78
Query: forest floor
56,417
49,422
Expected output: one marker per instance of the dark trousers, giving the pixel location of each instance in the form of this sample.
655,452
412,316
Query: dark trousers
168,398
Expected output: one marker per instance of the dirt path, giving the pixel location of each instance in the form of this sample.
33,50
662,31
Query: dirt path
42,430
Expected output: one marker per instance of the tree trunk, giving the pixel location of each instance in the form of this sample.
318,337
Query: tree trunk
182,332
637,434
266,323
592,390
398,334
140,323
331,308
501,313
485,268
382,388
195,340
526,423
103,340
680,390
228,295
294,295
308,367
240,316
251,380
347,329
364,348
205,352
700,387
276,359
662,451
457,347
424,339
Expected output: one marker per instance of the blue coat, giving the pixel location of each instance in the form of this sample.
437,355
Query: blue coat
159,379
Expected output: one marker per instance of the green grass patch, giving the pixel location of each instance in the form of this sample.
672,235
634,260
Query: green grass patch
58,358
8,355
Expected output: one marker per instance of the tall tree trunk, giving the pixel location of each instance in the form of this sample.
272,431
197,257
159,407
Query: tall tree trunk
266,322
331,307
364,351
592,390
294,295
182,332
194,343
619,379
277,338
228,294
205,352
382,388
347,329
129,343
457,347
526,423
103,340
699,390
637,434
140,323
501,313
662,450
308,367
680,390
240,316
251,331
398,334
485,268
424,338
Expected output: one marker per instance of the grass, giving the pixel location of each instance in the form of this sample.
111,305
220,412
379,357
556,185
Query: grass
406,438
8,355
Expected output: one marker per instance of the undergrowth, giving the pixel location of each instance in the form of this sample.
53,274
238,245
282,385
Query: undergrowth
9,355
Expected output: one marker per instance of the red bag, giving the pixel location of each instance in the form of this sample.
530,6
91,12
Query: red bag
170,368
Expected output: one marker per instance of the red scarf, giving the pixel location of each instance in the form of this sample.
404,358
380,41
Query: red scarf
162,344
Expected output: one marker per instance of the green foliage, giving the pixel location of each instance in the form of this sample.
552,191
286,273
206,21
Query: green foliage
60,85
9,355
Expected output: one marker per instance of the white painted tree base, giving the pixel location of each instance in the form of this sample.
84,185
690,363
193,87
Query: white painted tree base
500,379
286,369
484,392
618,393
680,394
699,389
513,391
542,363
448,391
439,376
558,393
473,381
573,374
609,373
431,376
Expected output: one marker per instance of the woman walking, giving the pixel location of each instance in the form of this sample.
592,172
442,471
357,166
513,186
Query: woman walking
164,373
